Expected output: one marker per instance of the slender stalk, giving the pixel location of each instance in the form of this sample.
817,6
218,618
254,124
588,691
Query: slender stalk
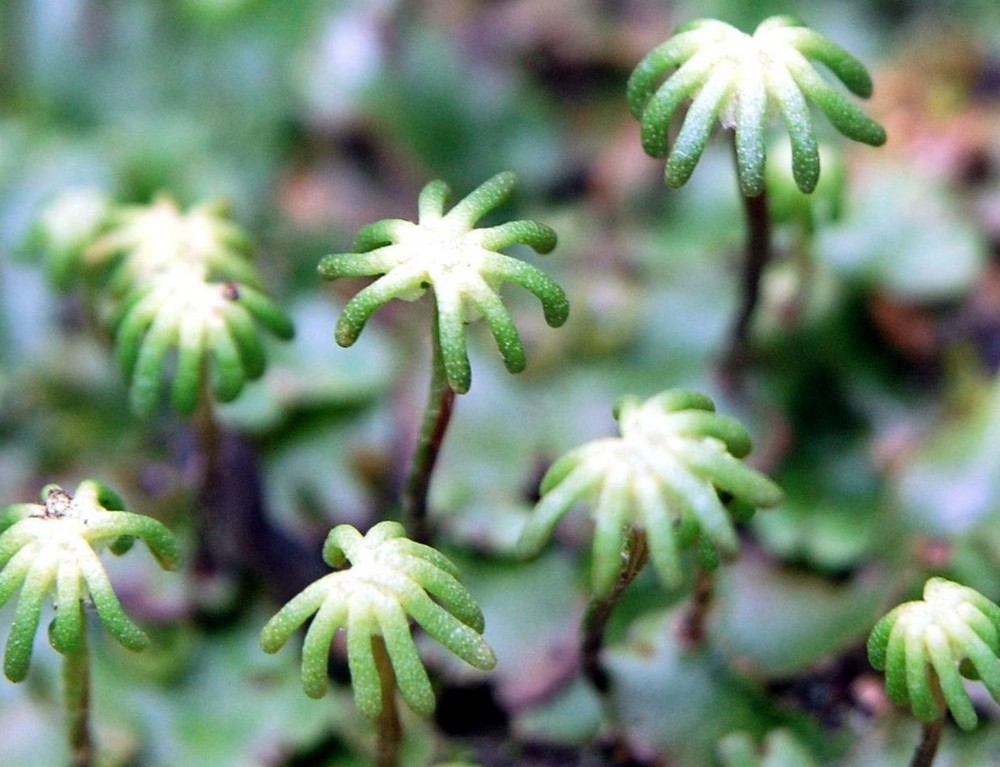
929,742
692,627
440,403
390,729
595,621
756,256
76,696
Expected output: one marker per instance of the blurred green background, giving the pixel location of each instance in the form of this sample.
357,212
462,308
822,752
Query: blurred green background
872,398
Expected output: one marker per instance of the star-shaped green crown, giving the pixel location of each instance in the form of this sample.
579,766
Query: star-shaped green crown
737,79
390,577
926,647
461,264
662,477
52,547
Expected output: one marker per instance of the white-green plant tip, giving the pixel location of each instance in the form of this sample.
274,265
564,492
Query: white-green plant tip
662,477
460,264
739,80
51,548
930,645
140,242
213,327
390,578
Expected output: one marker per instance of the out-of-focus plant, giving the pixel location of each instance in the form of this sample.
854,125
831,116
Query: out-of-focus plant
389,578
52,548
927,647
462,265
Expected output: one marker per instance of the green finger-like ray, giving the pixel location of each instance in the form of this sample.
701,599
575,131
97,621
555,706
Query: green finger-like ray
674,400
701,423
751,113
375,236
332,614
190,364
552,506
661,108
540,237
982,657
798,123
642,83
67,628
562,466
441,625
499,321
697,128
411,676
451,339
659,526
483,198
161,542
918,685
267,312
247,339
361,662
701,496
447,589
983,627
27,615
359,309
279,629
896,681
845,116
950,681
228,376
109,609
848,69
555,306
365,264
428,554
131,330
144,392
430,204
9,515
730,474
14,572
610,530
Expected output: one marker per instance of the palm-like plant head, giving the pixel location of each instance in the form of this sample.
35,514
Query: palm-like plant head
738,79
461,264
662,477
52,548
927,646
390,577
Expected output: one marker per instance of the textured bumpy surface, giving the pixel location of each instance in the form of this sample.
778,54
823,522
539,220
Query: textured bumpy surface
662,477
390,577
52,547
929,645
186,286
462,265
737,79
